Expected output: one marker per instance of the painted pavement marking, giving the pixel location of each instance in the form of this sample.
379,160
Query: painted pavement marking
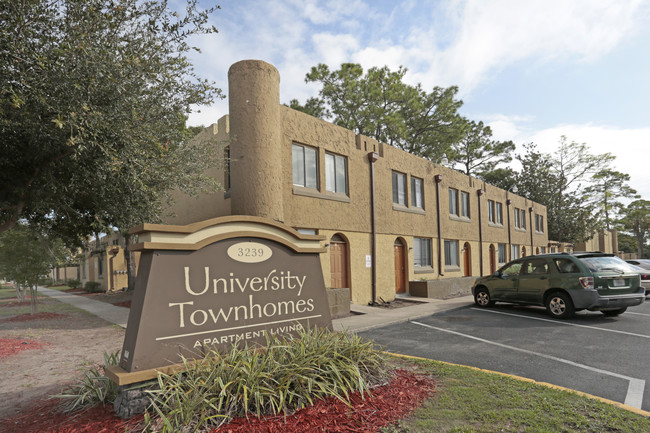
635,388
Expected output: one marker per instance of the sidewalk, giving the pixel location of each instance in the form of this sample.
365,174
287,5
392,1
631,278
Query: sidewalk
362,319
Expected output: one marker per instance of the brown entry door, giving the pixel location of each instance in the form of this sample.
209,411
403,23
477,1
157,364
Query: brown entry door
400,281
339,264
493,265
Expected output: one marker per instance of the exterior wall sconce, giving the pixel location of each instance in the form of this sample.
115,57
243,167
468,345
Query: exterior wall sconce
438,178
444,160
514,189
326,245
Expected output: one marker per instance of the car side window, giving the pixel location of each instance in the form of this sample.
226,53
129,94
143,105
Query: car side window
510,270
535,267
566,266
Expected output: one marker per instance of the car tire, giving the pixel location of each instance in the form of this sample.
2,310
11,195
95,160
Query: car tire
559,305
612,313
482,298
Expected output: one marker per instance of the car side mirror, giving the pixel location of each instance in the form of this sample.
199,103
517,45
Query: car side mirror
497,274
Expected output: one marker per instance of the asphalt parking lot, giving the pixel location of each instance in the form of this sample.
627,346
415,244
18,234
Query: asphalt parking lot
604,356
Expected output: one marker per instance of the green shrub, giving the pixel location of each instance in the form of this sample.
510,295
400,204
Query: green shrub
92,389
45,281
93,287
74,284
289,374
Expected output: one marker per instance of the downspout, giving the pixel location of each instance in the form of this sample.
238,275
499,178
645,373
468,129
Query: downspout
532,247
508,201
479,192
373,157
438,179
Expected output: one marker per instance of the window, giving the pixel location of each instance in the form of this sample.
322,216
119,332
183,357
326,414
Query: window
499,213
516,217
515,252
451,253
453,201
336,173
416,192
399,188
464,204
566,266
543,250
535,267
422,252
307,231
520,218
513,269
227,169
491,209
502,253
305,166
539,223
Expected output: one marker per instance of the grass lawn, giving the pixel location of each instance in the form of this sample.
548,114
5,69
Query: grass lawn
472,401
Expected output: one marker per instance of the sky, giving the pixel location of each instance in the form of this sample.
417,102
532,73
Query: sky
534,70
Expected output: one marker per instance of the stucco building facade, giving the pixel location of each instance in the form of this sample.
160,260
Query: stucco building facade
390,218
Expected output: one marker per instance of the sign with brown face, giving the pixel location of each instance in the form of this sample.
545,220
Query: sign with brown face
234,290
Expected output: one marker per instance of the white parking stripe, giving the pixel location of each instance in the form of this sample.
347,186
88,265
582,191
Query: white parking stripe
635,389
637,314
558,322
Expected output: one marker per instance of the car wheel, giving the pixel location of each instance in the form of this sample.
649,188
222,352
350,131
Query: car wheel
559,305
610,313
482,298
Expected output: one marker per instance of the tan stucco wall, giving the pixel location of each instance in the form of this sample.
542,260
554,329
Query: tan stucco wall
261,138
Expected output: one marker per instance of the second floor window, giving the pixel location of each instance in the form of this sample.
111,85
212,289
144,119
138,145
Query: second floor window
399,188
336,173
464,204
305,166
416,192
491,209
453,201
539,223
499,213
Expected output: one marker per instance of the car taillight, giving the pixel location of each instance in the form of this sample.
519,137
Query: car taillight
645,276
587,282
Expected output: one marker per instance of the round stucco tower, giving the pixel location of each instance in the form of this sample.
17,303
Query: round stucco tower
256,139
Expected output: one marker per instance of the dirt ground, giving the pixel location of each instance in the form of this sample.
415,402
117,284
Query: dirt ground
71,340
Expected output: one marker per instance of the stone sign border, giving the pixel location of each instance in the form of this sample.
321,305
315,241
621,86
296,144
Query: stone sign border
193,237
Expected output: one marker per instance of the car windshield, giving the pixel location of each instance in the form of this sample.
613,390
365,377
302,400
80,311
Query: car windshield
608,263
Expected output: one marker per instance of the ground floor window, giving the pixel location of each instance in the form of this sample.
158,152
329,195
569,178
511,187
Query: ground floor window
451,253
515,252
502,254
422,252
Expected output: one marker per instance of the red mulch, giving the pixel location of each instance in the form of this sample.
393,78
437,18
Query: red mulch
38,316
126,304
13,302
383,407
12,346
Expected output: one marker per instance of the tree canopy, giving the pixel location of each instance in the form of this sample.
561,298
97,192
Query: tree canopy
92,112
478,152
636,220
379,104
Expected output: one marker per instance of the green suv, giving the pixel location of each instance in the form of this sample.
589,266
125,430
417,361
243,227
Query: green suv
564,283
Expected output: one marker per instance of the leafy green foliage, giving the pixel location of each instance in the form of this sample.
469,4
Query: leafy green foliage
92,112
607,188
74,284
93,287
287,375
477,152
636,220
26,256
93,389
380,105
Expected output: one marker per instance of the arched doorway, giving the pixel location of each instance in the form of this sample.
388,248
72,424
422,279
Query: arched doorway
537,250
523,251
339,262
493,260
400,266
467,259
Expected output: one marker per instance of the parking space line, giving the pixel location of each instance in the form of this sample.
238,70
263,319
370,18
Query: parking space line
558,322
638,314
635,388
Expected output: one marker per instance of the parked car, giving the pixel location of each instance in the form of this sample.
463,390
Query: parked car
564,283
644,273
642,263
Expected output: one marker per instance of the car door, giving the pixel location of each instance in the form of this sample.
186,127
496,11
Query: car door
533,280
504,285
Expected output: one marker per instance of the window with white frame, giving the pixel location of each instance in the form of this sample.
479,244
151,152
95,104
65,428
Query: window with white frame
501,248
516,217
451,253
305,166
464,204
491,210
522,218
499,213
417,193
336,173
453,202
515,252
399,188
539,223
421,252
